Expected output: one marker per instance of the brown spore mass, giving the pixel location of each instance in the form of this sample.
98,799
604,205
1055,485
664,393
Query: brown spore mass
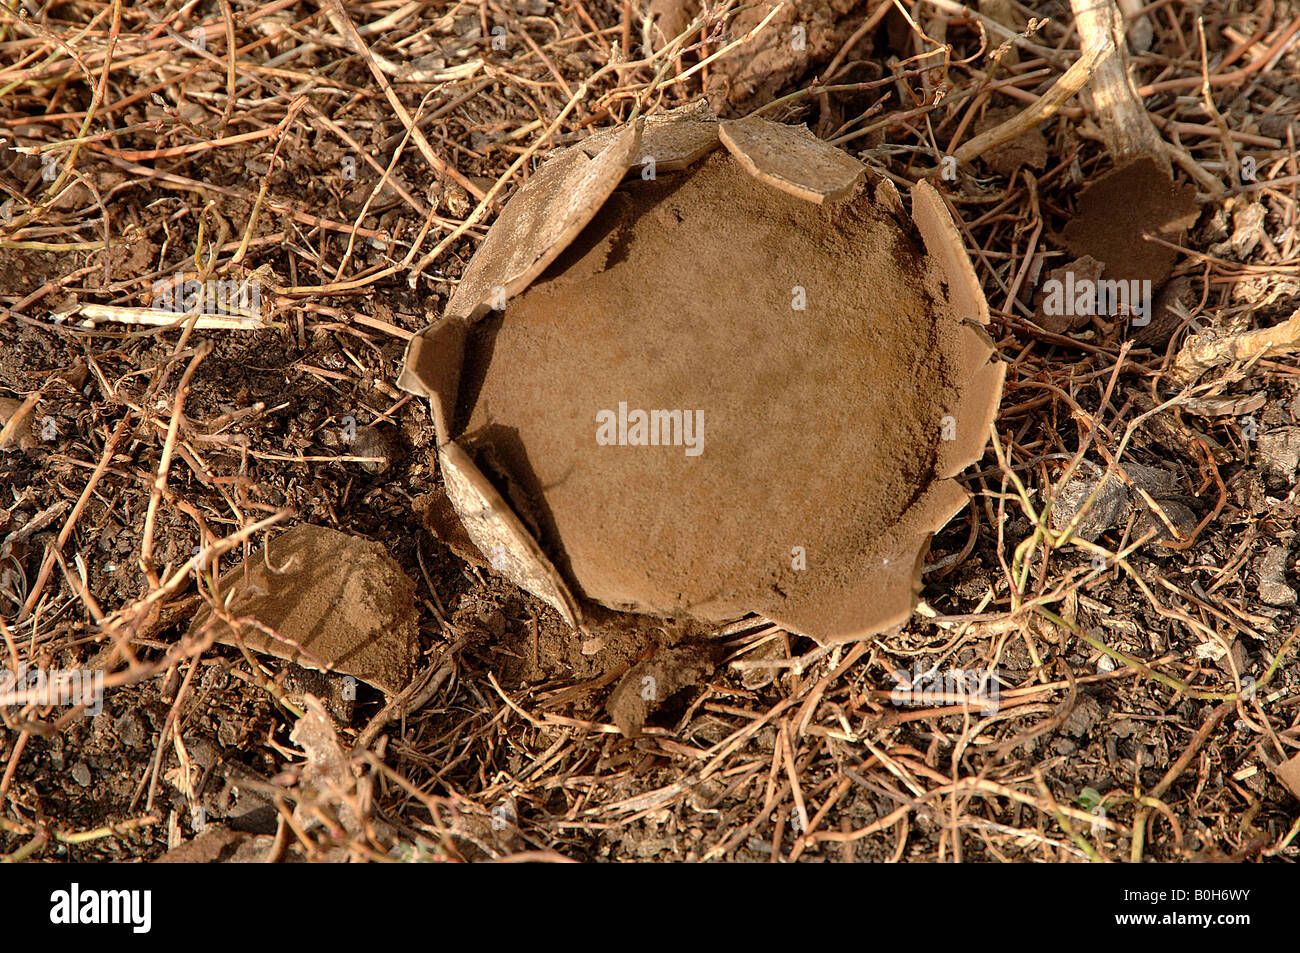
821,427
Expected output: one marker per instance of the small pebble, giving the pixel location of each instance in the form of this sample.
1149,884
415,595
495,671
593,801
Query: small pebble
129,730
81,774
1273,588
370,442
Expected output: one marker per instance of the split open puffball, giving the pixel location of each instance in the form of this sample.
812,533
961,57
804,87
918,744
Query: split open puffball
708,369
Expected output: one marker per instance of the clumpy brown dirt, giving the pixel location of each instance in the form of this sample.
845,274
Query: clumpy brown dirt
802,36
655,682
797,338
1150,697
1028,150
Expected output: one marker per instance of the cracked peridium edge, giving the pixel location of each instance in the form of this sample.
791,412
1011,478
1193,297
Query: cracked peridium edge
549,211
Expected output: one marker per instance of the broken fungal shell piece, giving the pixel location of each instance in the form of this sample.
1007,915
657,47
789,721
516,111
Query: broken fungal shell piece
499,535
1152,202
325,600
728,374
791,158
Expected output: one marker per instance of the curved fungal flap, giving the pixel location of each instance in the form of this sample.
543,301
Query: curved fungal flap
540,220
500,536
791,158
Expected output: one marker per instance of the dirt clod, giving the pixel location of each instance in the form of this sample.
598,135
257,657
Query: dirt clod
653,683
1279,453
1028,150
1105,497
1273,587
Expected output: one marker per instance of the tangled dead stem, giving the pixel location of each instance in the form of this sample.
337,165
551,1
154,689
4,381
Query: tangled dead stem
1120,589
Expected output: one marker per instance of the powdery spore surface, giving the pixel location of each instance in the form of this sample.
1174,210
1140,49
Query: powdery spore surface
819,426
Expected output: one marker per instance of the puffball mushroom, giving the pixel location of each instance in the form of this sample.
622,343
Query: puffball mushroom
712,368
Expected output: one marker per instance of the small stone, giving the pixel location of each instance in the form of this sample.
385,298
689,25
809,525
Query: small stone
1124,728
1273,589
129,730
1081,719
1279,455
81,774
1064,746
372,442
1108,508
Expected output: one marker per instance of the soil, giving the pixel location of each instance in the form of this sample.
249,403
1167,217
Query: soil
1028,150
804,35
655,682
